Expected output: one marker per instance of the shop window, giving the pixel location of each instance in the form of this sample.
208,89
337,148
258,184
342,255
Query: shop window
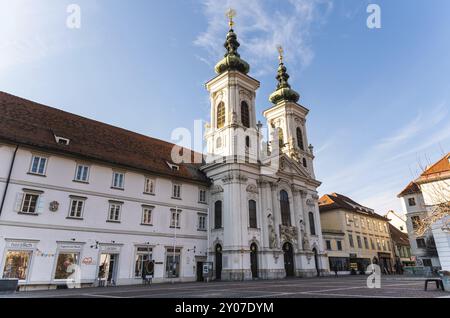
173,263
143,258
66,265
17,264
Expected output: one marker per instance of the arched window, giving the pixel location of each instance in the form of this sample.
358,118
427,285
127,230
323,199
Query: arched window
220,115
285,208
312,225
245,115
304,163
280,138
300,139
218,214
252,214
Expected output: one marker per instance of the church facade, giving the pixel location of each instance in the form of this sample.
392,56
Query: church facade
87,203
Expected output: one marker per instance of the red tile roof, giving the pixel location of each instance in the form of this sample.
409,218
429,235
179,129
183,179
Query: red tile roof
336,201
411,188
28,123
439,170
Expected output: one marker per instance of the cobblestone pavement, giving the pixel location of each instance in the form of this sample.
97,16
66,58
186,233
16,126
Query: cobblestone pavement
320,287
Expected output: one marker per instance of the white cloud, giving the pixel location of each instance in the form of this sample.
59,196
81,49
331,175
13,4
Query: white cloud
260,28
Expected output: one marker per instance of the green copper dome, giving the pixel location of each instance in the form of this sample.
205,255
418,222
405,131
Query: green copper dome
284,90
232,60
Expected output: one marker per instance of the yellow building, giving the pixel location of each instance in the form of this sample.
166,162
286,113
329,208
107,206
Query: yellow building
355,236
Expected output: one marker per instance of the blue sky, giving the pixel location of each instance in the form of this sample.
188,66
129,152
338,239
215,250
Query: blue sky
379,99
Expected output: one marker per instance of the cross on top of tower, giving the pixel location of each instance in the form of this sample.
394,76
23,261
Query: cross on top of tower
231,13
280,53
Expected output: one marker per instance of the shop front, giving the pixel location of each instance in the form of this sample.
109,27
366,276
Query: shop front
17,259
108,266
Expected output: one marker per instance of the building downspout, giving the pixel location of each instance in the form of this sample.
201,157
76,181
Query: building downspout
8,179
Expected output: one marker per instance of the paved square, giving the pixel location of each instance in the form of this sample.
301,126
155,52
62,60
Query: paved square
335,287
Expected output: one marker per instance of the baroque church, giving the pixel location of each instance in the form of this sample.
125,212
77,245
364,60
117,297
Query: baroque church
88,204
263,195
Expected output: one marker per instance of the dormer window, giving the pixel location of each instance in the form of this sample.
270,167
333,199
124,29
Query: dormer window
62,141
173,167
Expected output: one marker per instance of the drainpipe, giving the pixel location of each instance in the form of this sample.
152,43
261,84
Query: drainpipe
8,179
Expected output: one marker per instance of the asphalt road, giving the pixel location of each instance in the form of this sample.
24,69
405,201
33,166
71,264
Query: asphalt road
323,287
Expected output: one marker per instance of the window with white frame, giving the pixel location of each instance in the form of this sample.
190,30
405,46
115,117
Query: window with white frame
76,208
175,218
147,215
38,165
114,211
118,180
202,222
82,173
202,196
29,202
149,186
176,191
143,257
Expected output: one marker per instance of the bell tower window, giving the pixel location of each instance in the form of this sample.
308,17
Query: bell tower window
300,139
245,115
220,115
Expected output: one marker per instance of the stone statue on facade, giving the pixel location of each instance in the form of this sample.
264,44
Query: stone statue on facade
273,238
305,238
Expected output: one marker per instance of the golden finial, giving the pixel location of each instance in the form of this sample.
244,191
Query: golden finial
231,14
280,53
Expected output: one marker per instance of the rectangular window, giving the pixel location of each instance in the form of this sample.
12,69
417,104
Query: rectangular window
374,225
427,262
348,219
363,223
358,239
29,203
366,243
350,240
114,212
383,243
372,244
38,165
356,221
149,186
66,265
202,196
17,264
82,173
369,224
118,180
176,191
76,208
415,220
328,243
143,257
385,228
175,218
420,243
411,201
380,228
147,215
378,244
202,222
339,245
173,263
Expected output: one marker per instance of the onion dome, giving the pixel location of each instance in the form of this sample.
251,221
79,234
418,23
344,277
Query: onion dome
232,60
284,92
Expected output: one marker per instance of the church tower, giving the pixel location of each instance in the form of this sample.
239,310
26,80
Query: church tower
286,120
263,217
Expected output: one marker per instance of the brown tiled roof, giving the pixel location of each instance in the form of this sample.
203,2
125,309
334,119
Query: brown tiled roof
411,188
28,123
398,236
440,169
336,201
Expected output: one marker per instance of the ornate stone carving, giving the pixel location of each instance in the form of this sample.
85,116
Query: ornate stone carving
273,237
305,239
288,233
310,202
216,189
252,189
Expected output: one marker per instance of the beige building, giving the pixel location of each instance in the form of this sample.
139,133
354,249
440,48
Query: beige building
355,236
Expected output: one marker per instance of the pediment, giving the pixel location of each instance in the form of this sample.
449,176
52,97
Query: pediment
290,166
